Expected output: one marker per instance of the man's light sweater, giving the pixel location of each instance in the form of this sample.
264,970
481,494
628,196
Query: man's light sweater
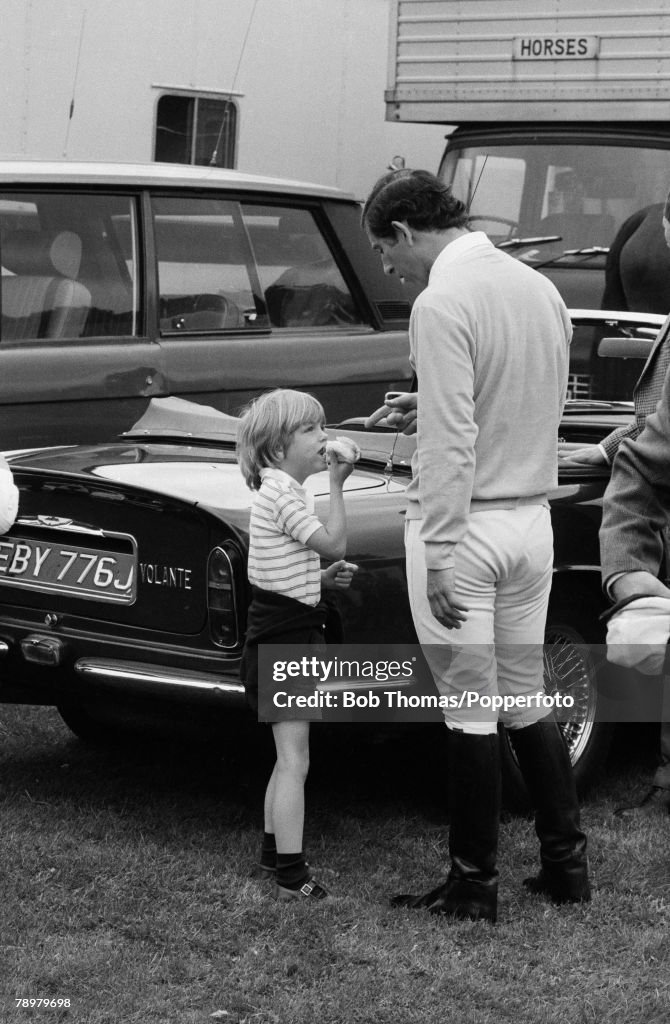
489,341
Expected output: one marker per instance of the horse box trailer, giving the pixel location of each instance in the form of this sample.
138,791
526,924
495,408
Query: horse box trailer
560,131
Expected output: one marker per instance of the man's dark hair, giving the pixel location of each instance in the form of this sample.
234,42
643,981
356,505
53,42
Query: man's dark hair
417,197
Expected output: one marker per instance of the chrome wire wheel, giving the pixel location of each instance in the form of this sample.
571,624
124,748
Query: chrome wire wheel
568,671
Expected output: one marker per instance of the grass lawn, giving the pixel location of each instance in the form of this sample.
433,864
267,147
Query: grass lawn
126,890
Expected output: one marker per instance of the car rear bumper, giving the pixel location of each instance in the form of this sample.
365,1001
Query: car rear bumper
159,680
45,667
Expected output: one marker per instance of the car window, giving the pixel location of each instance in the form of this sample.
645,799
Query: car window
498,192
229,266
581,193
68,266
302,284
206,277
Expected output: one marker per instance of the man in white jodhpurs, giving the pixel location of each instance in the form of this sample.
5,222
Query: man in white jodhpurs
489,341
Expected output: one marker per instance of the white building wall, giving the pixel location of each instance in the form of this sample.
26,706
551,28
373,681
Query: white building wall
311,74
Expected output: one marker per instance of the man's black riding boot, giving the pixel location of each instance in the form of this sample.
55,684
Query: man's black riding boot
471,889
474,812
546,769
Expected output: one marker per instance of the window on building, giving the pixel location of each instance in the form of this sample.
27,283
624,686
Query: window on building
195,130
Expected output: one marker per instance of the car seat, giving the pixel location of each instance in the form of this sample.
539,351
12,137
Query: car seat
41,297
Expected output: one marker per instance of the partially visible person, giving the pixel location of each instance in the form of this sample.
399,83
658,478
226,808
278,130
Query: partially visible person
647,391
637,268
489,342
633,542
646,396
9,497
281,442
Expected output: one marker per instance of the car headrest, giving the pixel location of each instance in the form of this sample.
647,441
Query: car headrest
41,253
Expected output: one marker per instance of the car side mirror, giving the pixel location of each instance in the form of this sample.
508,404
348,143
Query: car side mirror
625,348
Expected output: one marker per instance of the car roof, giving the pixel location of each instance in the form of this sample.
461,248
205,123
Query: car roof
70,172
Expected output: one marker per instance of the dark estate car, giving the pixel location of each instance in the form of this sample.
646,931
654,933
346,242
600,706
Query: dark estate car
123,582
122,283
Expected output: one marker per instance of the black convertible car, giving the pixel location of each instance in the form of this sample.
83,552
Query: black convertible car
123,581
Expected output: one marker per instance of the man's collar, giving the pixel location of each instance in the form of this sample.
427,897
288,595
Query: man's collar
454,250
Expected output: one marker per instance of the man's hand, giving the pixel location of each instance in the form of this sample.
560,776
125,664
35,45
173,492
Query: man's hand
444,604
637,584
589,456
339,575
638,631
400,412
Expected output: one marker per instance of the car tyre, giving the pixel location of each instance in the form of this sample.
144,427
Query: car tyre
89,728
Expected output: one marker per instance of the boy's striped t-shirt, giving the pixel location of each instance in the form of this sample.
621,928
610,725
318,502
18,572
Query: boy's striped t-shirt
281,523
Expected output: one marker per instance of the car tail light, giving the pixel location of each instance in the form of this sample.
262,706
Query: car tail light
221,603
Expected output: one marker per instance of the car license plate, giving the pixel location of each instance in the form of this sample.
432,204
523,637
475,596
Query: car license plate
68,569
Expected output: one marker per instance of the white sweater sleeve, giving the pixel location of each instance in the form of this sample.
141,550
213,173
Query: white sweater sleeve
444,354
9,498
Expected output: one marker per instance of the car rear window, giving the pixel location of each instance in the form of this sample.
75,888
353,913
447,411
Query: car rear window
68,266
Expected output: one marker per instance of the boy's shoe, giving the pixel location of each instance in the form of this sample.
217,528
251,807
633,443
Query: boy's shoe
311,890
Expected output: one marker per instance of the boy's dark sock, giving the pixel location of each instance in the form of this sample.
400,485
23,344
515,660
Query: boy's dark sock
269,851
292,870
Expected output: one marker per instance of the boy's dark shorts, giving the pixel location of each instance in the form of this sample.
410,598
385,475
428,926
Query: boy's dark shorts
277,619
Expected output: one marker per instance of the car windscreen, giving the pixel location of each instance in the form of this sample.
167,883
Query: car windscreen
563,196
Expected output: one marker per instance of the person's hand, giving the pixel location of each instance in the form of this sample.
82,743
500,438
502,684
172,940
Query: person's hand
637,584
638,629
338,575
592,455
400,413
444,604
339,471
